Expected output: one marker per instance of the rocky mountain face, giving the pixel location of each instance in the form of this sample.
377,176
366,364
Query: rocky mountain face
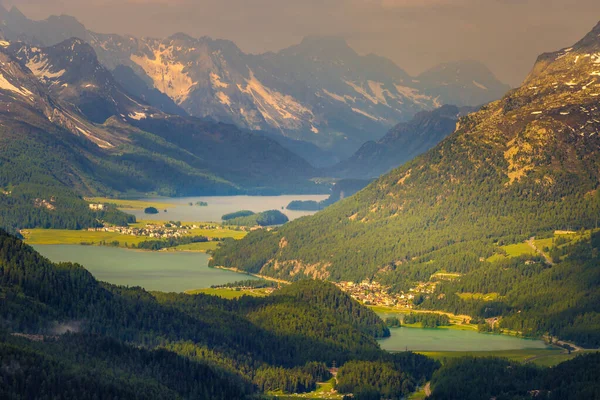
401,144
524,165
463,83
61,97
320,90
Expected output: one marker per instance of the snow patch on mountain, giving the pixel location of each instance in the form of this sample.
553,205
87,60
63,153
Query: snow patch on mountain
335,96
479,85
415,96
361,112
364,93
223,98
216,81
138,116
281,110
6,85
167,75
379,92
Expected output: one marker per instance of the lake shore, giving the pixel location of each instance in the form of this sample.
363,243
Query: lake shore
239,271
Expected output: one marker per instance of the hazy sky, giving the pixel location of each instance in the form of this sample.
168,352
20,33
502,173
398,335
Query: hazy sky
507,35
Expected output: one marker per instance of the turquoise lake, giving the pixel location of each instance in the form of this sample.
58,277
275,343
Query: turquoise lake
220,205
161,271
416,339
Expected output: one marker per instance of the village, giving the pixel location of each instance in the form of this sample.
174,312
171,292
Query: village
156,230
376,294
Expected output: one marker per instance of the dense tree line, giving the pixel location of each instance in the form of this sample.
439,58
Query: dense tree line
428,320
81,366
250,283
340,303
485,378
39,206
361,377
237,214
170,242
296,380
266,218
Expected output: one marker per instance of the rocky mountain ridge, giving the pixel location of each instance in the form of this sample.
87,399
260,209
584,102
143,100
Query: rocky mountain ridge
319,90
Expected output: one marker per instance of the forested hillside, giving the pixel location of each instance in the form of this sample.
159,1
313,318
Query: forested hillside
284,341
483,378
524,166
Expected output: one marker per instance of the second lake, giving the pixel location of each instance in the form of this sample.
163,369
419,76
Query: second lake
440,339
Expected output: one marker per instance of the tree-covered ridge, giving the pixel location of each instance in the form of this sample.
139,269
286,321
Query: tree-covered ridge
86,367
482,378
324,294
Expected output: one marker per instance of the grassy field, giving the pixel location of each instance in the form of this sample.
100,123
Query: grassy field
519,249
221,232
132,204
323,392
65,236
197,247
443,275
513,250
227,293
418,395
540,357
541,243
478,296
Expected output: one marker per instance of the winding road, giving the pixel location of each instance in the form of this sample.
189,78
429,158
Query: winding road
531,243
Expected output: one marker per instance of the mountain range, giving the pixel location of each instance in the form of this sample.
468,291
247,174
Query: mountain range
521,167
402,143
319,90
69,129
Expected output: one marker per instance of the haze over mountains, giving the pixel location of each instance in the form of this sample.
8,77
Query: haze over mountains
320,90
401,144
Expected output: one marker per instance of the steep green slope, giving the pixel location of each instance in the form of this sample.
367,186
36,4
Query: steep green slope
523,166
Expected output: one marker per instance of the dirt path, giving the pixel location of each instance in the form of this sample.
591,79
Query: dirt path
427,389
531,244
